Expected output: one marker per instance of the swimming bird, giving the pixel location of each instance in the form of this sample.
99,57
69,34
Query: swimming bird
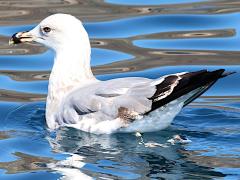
77,99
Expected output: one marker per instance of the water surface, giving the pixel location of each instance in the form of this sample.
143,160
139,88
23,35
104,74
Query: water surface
129,38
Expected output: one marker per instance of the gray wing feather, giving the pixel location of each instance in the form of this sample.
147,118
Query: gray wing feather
107,97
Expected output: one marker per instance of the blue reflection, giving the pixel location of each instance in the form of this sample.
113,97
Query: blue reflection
130,27
105,56
38,62
219,44
28,86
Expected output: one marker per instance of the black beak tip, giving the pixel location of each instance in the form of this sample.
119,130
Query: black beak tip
14,39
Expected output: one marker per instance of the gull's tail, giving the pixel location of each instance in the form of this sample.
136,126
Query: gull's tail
177,85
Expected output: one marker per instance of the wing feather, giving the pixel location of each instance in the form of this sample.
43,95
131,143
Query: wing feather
131,97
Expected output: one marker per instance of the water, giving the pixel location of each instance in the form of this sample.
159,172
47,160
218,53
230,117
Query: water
129,38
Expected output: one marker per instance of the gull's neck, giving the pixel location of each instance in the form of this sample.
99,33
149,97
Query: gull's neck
71,70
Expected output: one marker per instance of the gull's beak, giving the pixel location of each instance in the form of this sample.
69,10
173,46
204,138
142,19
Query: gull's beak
21,37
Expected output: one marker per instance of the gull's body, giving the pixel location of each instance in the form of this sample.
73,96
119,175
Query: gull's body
77,99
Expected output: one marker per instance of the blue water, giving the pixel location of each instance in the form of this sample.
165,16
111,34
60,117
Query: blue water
129,38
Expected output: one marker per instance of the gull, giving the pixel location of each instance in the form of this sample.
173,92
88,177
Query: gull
76,98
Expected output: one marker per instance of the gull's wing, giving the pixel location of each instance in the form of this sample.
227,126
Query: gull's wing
110,97
129,98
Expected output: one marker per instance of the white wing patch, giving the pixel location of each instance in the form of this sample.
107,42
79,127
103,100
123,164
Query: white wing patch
165,86
168,92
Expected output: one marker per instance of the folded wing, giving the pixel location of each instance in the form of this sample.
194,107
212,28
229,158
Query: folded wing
132,98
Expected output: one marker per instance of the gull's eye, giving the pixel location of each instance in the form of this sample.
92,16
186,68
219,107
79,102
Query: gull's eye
46,29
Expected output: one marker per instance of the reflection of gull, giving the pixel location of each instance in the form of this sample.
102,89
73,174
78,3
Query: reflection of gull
77,99
64,143
70,168
63,136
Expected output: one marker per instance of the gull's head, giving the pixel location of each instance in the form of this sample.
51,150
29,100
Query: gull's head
58,31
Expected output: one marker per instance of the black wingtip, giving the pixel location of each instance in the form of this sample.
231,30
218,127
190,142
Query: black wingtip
199,80
223,72
228,73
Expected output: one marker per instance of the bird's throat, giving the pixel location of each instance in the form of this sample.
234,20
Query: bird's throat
70,71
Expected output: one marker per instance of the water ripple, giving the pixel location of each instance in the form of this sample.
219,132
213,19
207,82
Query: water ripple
129,38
